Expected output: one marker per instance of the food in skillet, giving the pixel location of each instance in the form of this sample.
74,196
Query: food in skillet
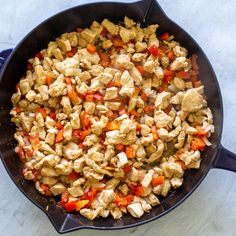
110,117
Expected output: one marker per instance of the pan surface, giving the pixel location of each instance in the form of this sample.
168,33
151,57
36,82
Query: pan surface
68,21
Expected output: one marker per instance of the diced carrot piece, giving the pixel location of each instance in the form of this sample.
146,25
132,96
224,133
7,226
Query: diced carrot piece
76,133
154,132
52,115
59,125
89,97
157,180
200,131
70,206
136,91
43,111
68,80
111,84
164,36
140,68
84,134
49,80
171,55
46,190
84,119
39,55
59,136
135,113
198,144
73,176
123,201
129,151
91,48
117,83
21,153
149,108
120,147
144,97
117,42
34,140
127,168
18,110
112,125
72,95
98,97
183,74
81,204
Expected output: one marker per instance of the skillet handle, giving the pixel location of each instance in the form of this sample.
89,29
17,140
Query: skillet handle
3,57
225,160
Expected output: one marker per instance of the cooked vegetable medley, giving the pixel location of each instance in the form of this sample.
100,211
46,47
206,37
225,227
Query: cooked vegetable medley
110,117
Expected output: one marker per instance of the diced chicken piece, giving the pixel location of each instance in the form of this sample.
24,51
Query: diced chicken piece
111,93
107,44
192,101
50,137
179,64
162,119
64,45
180,51
140,46
106,197
16,97
72,151
136,75
153,200
157,155
79,164
165,61
65,167
135,209
163,133
93,58
24,86
57,189
49,122
76,191
49,180
89,213
112,183
113,137
123,62
149,66
116,213
127,34
57,89
172,169
128,22
105,78
179,83
145,130
162,100
67,132
26,121
90,140
111,28
140,151
88,35
124,189
48,172
31,95
138,57
180,140
145,205
134,175
166,188
122,159
113,105
109,153
126,126
89,107
98,126
191,159
147,178
176,182
83,88
74,120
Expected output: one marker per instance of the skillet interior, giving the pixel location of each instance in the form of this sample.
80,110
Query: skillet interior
68,21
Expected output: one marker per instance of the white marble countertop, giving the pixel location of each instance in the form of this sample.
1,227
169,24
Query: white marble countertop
211,210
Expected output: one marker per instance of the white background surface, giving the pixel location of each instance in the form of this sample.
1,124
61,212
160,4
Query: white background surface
211,210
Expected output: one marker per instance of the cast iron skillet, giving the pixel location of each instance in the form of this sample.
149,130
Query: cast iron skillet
147,12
